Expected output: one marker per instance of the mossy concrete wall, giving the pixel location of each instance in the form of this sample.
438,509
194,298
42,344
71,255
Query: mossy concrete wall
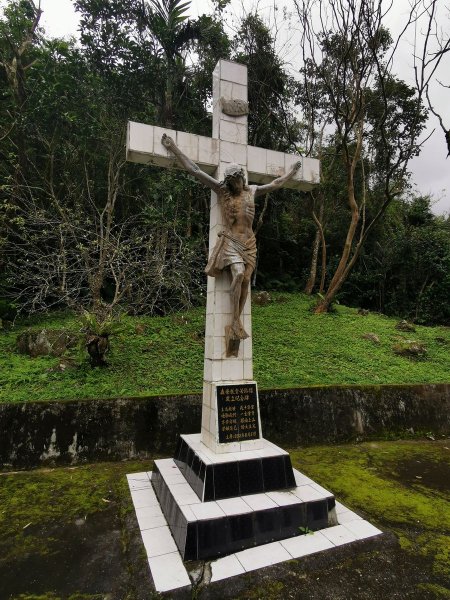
36,433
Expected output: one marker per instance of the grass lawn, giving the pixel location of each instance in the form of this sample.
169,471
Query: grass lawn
164,355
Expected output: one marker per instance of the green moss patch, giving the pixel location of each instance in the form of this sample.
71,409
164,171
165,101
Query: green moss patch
59,528
437,591
370,479
32,501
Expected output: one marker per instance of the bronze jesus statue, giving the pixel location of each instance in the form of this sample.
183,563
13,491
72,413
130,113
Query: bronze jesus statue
235,249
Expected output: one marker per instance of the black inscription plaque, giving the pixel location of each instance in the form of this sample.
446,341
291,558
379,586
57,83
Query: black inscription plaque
237,407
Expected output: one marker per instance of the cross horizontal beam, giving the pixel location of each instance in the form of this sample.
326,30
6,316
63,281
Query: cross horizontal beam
144,146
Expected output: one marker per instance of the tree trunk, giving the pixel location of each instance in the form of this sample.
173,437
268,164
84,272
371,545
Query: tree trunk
319,238
324,264
189,215
313,270
346,262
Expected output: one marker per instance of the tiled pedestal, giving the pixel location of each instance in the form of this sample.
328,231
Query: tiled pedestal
167,567
220,504
215,477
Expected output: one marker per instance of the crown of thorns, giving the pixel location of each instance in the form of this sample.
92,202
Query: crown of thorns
234,171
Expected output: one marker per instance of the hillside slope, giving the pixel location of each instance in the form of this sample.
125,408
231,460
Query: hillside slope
164,355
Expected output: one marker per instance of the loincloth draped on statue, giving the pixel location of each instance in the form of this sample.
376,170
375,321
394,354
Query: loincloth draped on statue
230,249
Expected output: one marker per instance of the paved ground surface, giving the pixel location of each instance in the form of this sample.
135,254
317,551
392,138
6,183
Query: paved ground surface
71,533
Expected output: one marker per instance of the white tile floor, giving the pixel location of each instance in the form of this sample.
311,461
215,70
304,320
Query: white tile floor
166,565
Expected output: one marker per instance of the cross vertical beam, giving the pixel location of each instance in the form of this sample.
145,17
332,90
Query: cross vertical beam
229,82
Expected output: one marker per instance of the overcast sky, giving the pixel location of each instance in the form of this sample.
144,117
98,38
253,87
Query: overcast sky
431,170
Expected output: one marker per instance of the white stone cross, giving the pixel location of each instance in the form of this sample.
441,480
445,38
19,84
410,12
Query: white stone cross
213,155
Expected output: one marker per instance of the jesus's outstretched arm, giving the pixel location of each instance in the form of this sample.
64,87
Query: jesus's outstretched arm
189,165
278,183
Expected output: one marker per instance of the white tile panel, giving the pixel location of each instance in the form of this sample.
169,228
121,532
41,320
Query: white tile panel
226,91
232,369
151,522
257,159
188,144
307,493
223,568
289,162
321,489
248,369
247,349
347,516
362,529
339,535
303,545
207,369
241,120
311,170
139,484
208,150
340,507
140,138
254,451
233,152
158,148
301,479
216,365
168,572
240,92
206,415
208,344
262,556
158,541
141,476
230,131
143,498
188,514
269,451
250,446
213,421
166,465
275,163
259,501
234,506
173,478
145,515
228,449
233,72
218,347
183,494
283,498
207,510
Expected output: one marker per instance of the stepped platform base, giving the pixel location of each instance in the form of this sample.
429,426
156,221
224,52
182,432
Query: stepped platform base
217,476
204,529
169,572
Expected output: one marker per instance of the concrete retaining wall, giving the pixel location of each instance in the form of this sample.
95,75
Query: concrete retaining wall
37,433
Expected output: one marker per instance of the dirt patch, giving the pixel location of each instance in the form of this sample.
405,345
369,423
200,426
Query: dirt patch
71,534
427,473
81,558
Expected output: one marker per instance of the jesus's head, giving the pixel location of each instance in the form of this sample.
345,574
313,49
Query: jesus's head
234,178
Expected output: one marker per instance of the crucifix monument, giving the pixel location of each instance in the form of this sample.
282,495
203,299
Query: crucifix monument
230,459
228,343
